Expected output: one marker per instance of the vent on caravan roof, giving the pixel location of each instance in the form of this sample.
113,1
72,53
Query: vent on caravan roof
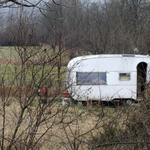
128,55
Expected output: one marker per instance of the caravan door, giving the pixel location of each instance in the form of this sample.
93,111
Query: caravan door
141,79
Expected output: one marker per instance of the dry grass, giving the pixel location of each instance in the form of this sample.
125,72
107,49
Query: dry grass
66,127
59,135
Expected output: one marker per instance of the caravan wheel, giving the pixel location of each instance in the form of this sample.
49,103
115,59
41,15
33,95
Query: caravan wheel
129,101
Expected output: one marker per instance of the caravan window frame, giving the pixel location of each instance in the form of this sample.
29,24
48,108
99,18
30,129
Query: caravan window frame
89,76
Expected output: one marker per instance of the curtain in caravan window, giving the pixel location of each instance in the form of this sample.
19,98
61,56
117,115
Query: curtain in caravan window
91,78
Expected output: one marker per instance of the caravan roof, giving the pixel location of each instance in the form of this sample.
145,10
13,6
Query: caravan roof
77,59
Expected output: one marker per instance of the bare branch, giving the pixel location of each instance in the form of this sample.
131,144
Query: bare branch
27,4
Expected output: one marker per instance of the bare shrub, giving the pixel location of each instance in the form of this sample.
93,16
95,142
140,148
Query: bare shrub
130,133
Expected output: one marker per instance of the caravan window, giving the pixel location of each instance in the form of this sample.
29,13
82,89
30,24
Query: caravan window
124,76
91,78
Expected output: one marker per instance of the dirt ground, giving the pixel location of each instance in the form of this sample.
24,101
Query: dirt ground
10,61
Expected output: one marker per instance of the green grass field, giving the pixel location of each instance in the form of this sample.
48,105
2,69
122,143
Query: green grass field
12,71
8,52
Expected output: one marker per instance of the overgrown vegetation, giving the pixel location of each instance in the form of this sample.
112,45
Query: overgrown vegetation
129,129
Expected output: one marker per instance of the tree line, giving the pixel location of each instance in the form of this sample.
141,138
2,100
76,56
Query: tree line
113,26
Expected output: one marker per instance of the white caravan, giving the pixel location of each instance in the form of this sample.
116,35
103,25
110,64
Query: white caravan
108,77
